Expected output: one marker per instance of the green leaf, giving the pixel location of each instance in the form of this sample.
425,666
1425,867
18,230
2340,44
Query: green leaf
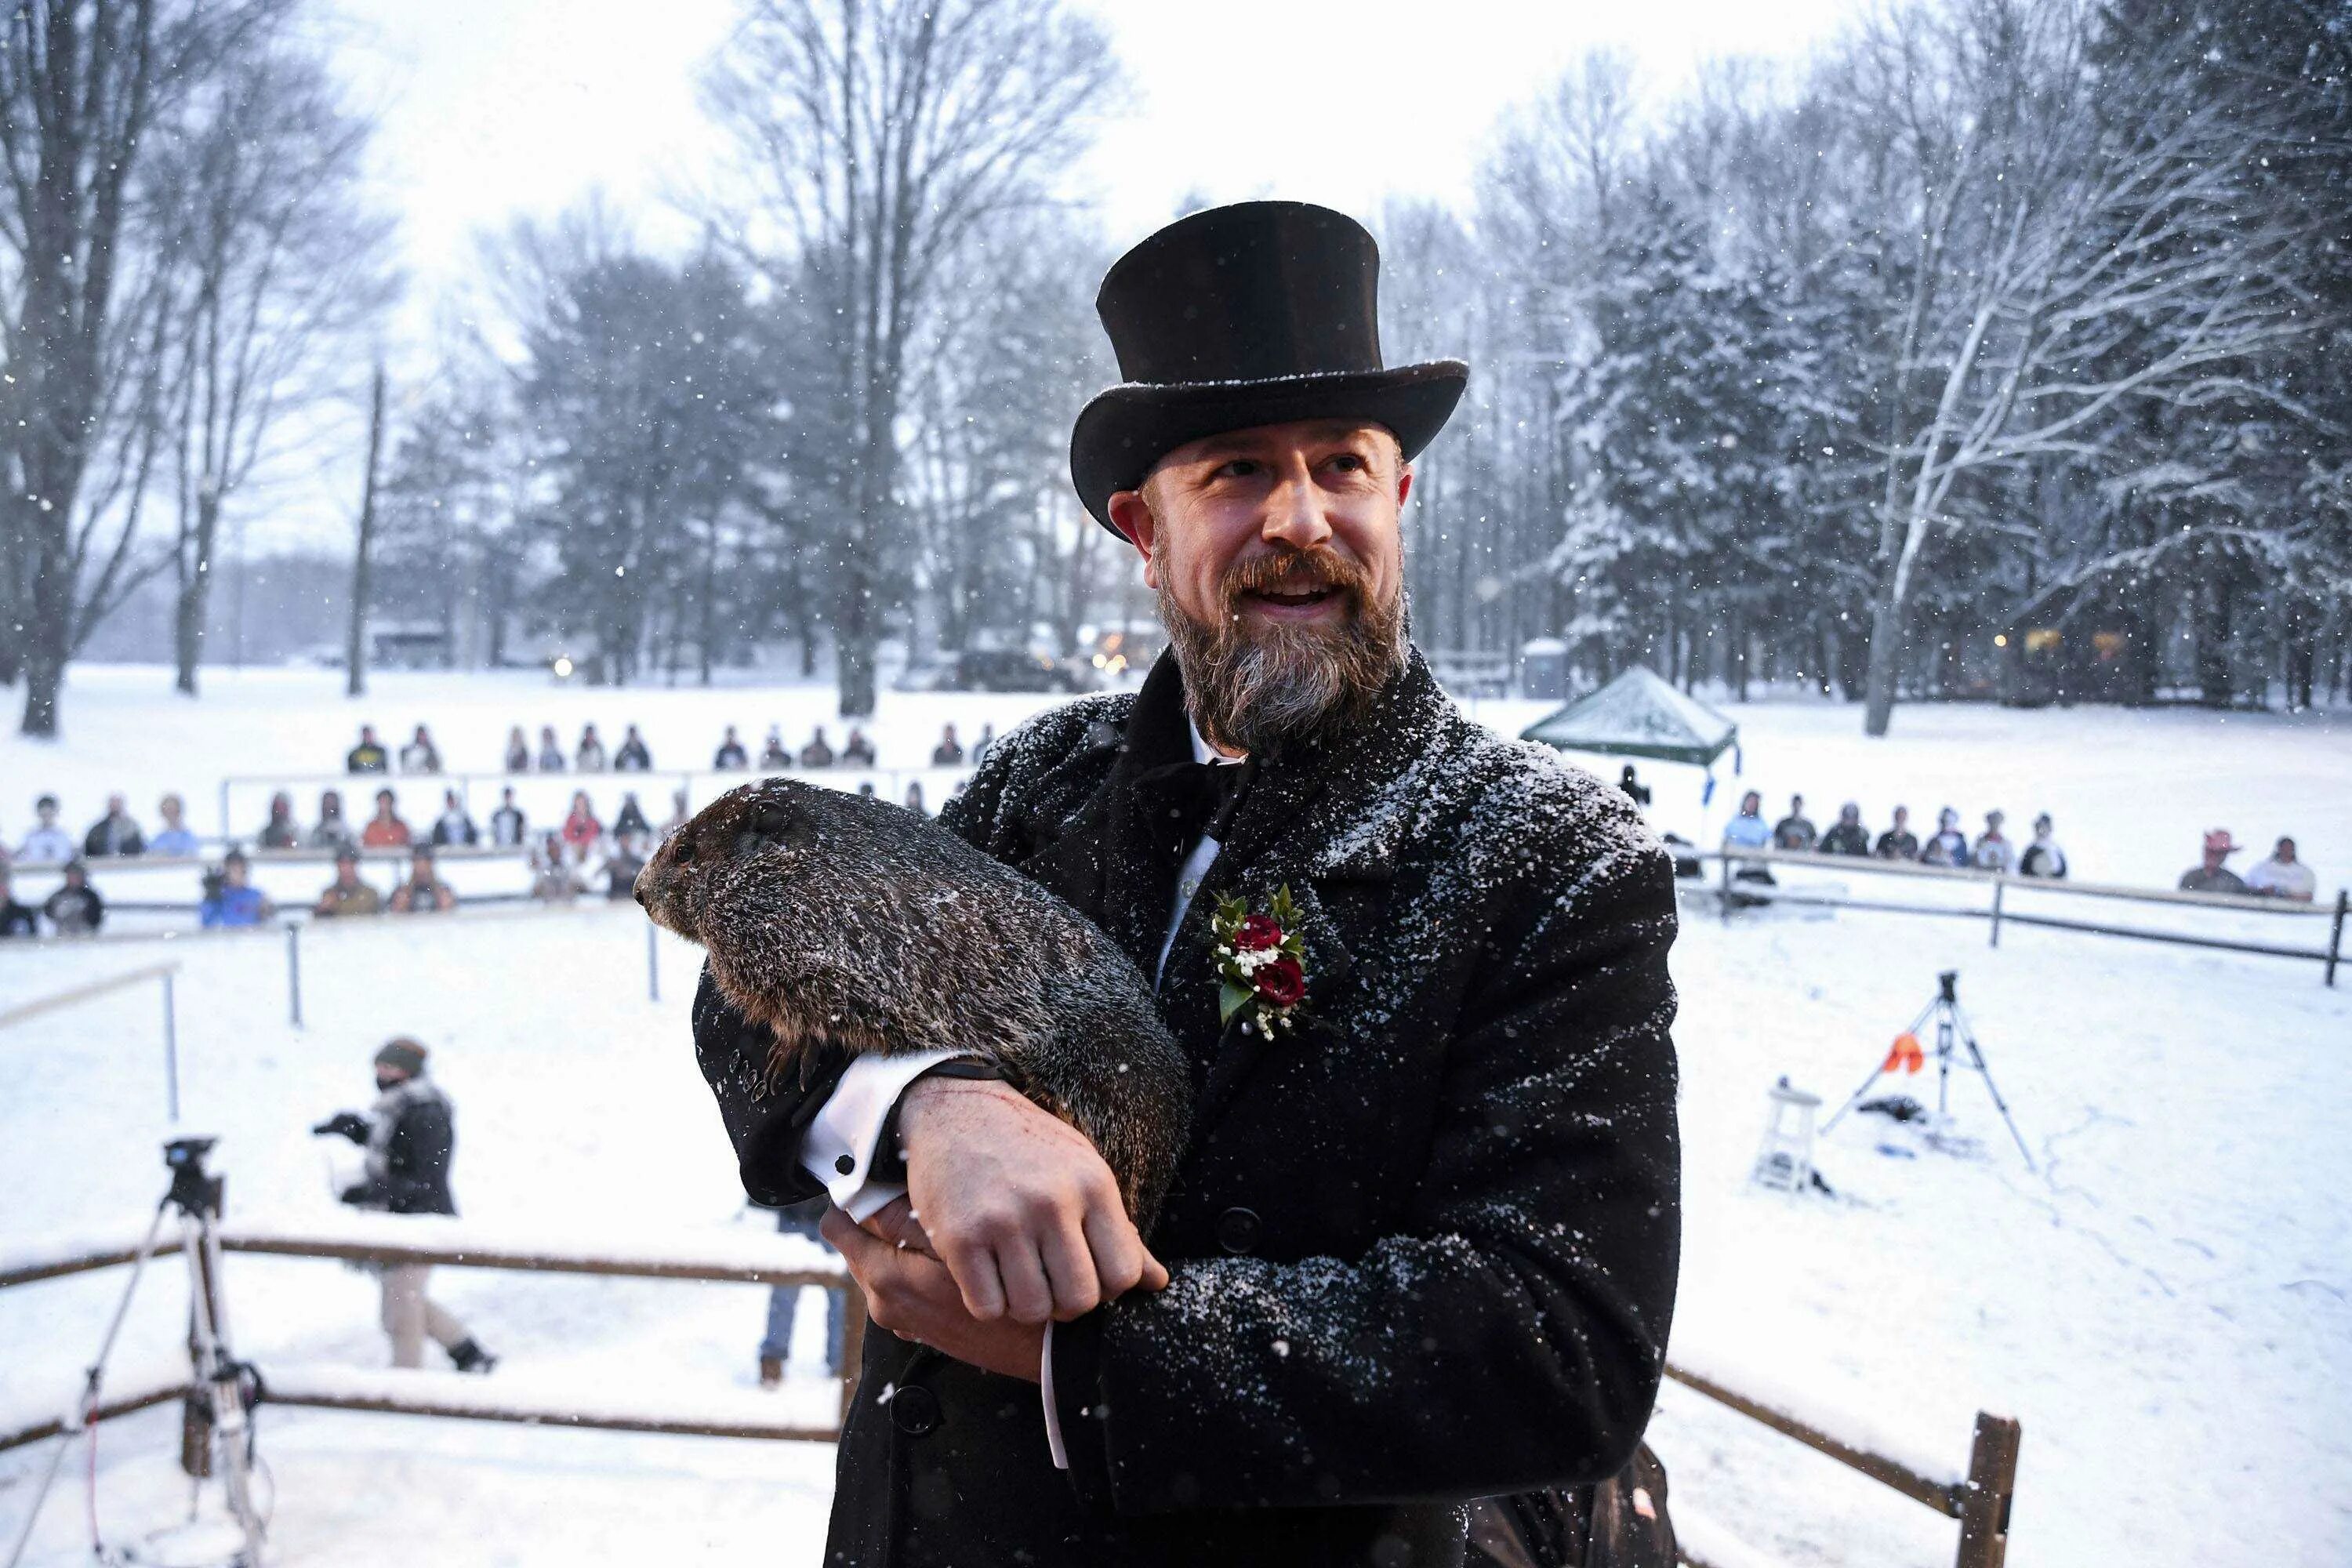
1231,999
1285,912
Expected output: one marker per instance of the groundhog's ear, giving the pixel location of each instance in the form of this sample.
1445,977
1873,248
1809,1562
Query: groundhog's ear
773,820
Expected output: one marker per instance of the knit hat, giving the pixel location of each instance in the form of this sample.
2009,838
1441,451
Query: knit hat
407,1054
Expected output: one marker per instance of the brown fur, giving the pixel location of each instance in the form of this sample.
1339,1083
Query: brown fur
835,918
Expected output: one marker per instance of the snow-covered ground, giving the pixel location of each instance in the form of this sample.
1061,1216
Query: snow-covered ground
2167,1304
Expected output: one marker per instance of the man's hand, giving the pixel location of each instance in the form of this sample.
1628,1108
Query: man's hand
1017,1204
910,1293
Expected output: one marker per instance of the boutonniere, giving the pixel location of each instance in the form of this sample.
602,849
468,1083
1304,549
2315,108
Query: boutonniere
1260,960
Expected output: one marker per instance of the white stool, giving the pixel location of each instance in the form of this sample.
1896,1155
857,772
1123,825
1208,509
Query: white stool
1785,1161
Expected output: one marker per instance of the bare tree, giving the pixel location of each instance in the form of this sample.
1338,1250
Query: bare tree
2064,272
363,545
82,86
269,264
880,138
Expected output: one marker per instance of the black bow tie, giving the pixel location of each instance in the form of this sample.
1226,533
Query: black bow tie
1194,799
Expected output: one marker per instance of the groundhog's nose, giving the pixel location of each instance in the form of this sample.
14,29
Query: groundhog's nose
641,888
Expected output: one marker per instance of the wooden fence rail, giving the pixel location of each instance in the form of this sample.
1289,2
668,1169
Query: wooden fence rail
1980,1500
1733,893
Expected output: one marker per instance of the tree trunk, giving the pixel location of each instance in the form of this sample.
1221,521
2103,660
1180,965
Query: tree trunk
355,649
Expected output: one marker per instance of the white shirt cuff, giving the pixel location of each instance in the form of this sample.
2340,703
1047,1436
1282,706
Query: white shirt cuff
1053,1419
839,1147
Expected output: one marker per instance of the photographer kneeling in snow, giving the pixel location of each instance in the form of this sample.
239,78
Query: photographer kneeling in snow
410,1135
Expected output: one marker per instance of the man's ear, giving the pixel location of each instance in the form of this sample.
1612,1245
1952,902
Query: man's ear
1404,486
1131,515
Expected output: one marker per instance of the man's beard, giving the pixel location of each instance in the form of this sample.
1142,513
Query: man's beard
1260,687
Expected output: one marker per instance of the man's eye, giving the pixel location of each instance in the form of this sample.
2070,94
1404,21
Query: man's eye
1239,469
1349,462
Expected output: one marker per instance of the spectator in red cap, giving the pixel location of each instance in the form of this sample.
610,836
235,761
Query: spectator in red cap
2211,876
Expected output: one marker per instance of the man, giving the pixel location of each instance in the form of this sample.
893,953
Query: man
173,838
1898,842
15,919
1847,835
508,828
334,830
1421,1250
1794,831
856,751
281,831
590,758
231,901
369,756
784,1302
948,753
2209,875
2043,857
410,1134
47,843
113,833
1948,845
346,895
454,826
1992,852
731,754
633,756
424,892
75,909
2283,876
818,752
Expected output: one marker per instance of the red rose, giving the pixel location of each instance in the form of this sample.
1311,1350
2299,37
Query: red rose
1257,933
1280,984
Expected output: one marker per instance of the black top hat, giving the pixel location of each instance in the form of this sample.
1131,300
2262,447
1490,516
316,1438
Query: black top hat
1241,316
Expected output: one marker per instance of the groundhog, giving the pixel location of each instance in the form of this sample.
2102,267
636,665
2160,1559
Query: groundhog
831,917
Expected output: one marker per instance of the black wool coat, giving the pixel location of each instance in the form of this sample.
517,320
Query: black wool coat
1424,1245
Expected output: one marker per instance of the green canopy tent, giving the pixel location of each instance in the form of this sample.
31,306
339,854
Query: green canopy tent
1639,715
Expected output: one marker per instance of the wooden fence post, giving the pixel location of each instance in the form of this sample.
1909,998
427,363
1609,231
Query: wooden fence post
2336,933
1986,1496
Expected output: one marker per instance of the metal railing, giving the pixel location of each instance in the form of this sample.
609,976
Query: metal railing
2002,889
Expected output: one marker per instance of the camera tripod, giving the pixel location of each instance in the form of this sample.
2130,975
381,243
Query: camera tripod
1953,1036
219,1402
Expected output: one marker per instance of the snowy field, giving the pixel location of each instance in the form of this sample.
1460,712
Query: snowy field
2167,1304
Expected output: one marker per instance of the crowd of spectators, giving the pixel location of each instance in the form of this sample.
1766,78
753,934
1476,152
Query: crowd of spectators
2282,876
589,755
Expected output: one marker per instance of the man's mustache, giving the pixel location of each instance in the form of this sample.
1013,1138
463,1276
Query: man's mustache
1297,572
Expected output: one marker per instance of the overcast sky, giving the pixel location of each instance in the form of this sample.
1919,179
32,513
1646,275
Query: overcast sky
495,108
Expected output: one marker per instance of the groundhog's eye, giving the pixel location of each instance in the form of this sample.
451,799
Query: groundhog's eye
682,849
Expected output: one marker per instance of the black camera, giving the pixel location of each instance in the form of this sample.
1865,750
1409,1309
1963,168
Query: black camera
1949,979
193,1190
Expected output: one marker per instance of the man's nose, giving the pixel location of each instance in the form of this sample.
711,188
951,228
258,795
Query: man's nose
1294,514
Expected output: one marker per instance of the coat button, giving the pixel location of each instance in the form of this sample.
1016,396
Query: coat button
915,1411
1238,1229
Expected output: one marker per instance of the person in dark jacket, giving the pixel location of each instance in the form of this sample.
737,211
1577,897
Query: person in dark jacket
1898,842
410,1134
1421,1250
856,751
369,756
1846,836
15,919
818,752
509,828
454,826
281,831
75,909
114,833
1794,831
632,757
731,754
948,753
